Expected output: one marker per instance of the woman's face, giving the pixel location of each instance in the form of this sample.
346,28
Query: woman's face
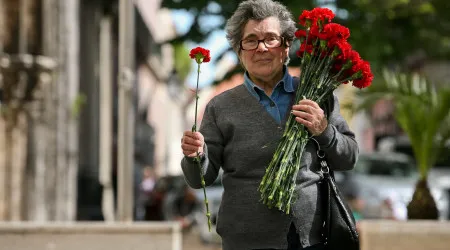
263,64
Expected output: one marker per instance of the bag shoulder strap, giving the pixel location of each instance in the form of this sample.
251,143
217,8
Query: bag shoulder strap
324,166
325,192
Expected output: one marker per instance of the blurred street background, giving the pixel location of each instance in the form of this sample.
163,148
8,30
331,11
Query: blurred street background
95,96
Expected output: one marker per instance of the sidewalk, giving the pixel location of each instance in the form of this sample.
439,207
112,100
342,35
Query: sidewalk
191,241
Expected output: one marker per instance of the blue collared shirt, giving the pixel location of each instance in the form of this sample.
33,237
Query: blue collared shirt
278,103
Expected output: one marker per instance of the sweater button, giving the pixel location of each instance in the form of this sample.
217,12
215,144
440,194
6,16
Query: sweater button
272,104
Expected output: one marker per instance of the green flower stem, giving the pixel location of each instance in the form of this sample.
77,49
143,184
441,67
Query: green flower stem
197,158
271,171
291,197
290,178
282,187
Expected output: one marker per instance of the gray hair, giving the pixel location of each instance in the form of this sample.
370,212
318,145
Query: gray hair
258,10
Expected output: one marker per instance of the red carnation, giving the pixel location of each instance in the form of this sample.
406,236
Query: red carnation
322,14
200,55
300,33
303,47
314,31
336,31
354,57
365,74
318,16
306,18
343,46
311,34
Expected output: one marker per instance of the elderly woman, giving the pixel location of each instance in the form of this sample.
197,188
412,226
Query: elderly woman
240,130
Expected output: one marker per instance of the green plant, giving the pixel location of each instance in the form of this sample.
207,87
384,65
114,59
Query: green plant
423,112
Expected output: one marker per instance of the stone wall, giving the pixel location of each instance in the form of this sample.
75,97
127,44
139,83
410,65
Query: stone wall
92,236
402,235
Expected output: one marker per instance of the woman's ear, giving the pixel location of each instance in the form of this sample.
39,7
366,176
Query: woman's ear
286,55
287,43
240,62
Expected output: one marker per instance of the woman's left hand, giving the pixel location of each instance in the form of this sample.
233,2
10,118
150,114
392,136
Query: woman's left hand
309,114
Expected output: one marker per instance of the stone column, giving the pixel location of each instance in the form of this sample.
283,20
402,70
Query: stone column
126,111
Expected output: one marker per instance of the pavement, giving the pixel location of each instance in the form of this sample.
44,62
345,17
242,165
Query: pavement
191,241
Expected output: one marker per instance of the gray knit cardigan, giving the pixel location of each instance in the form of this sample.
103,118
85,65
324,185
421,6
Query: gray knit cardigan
241,137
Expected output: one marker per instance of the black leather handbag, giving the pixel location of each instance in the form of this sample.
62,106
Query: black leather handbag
339,227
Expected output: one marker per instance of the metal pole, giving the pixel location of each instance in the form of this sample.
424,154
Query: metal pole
126,111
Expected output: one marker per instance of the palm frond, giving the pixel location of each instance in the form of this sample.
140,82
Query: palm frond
421,110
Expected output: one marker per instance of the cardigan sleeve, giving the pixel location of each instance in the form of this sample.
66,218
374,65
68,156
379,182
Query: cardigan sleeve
338,141
211,161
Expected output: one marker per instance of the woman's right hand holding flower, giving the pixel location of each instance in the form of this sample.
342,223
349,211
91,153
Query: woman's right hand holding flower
191,143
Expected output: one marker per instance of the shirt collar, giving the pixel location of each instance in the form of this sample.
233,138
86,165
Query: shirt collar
256,91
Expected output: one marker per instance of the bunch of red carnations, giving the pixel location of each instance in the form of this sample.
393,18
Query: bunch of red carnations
327,61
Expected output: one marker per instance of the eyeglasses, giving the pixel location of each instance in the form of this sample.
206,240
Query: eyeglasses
269,42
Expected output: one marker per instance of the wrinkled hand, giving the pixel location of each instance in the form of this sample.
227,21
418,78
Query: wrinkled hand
191,143
309,114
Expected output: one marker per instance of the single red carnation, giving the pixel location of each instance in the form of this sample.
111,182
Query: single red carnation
303,47
312,34
200,55
354,57
324,15
336,31
365,73
306,18
300,33
343,46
